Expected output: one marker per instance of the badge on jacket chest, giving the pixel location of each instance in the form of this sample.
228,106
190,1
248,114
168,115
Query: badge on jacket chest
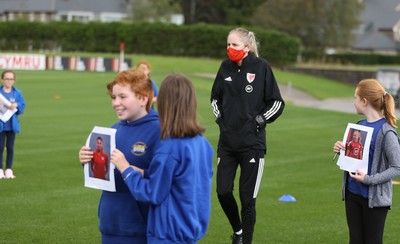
250,77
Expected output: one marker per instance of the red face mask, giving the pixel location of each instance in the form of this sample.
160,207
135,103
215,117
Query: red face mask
236,55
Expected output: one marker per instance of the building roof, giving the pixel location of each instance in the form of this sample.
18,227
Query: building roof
377,41
118,6
377,20
96,6
382,13
26,5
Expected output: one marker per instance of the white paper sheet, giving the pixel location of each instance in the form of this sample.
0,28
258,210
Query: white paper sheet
108,135
5,112
348,161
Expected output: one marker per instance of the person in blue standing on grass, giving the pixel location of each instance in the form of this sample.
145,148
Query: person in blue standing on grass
177,183
11,127
145,66
123,219
368,195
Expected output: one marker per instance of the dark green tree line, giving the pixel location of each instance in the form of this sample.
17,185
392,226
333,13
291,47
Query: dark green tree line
153,10
319,24
230,12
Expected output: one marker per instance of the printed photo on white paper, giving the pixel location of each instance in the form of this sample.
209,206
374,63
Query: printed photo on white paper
5,112
357,139
99,173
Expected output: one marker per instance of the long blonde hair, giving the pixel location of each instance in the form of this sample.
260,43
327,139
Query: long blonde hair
374,92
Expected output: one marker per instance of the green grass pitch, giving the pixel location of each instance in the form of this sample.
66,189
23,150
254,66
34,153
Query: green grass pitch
47,202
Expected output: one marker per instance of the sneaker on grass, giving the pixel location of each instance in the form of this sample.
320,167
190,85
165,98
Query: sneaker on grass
237,239
9,174
2,176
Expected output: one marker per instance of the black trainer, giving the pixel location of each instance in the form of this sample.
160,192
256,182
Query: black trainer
237,239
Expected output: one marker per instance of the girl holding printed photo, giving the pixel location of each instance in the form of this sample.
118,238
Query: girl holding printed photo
177,184
368,195
123,219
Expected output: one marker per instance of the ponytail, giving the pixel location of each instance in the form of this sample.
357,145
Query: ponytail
389,109
382,101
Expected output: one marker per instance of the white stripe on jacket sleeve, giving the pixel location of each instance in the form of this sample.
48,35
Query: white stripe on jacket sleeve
273,110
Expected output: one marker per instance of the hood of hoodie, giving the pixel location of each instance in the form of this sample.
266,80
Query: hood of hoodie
152,115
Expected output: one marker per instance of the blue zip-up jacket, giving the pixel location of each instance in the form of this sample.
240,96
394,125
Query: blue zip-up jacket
119,213
178,187
19,99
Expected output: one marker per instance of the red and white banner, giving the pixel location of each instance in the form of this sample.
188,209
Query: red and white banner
23,61
76,63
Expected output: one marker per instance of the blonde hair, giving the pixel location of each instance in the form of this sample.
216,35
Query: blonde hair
248,38
374,92
138,81
359,135
177,108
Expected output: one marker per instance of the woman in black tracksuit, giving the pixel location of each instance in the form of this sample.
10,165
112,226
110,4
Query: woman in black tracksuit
244,98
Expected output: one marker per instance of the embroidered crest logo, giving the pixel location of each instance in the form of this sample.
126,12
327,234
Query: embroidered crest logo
248,88
138,149
250,77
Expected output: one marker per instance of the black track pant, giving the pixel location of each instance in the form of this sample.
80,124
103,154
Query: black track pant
365,224
251,169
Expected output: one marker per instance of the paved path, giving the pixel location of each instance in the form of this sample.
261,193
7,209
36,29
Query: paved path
301,98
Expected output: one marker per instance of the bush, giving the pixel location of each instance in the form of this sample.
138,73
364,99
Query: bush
200,40
363,59
350,58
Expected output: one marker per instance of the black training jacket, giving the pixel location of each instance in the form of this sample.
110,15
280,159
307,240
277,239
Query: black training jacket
238,95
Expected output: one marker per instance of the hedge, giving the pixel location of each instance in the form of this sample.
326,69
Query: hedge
363,59
200,40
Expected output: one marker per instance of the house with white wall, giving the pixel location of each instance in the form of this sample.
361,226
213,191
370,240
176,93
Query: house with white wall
65,10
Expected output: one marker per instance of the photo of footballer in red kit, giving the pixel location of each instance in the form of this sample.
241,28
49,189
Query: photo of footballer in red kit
100,164
355,143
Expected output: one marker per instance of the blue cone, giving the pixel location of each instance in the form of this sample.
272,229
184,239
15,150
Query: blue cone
287,198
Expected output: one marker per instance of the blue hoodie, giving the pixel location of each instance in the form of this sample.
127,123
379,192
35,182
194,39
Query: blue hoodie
178,187
19,99
121,216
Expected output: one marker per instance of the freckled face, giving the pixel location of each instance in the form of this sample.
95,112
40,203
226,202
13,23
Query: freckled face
126,104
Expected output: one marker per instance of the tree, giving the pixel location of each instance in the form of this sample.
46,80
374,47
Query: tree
319,24
231,12
238,12
153,10
196,11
